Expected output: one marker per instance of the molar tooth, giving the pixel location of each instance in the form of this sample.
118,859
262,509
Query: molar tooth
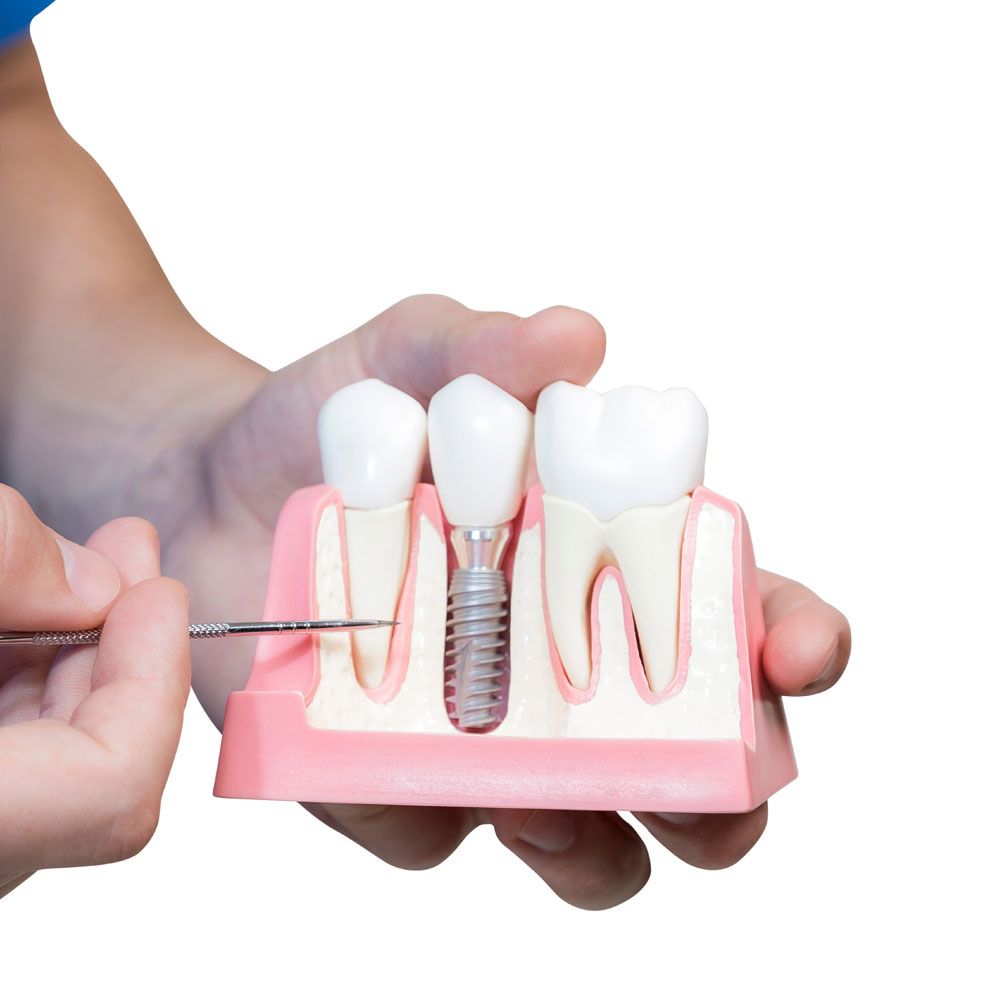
630,458
373,439
631,447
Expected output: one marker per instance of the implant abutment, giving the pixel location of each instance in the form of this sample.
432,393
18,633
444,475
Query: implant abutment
480,548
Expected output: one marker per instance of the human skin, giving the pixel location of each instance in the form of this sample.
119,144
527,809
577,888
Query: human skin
86,736
114,400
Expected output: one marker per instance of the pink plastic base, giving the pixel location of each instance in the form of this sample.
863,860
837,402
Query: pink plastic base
270,751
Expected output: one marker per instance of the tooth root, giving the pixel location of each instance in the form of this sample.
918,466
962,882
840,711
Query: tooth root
378,543
574,548
647,544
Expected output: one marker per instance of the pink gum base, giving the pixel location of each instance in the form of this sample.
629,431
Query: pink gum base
269,750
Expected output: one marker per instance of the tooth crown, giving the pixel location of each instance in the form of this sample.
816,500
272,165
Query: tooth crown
480,440
630,447
373,439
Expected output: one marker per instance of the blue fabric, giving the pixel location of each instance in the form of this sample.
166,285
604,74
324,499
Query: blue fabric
15,16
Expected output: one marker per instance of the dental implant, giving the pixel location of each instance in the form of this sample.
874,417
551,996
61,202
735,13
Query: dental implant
476,631
480,441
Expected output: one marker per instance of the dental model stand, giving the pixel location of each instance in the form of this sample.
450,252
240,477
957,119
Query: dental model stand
592,641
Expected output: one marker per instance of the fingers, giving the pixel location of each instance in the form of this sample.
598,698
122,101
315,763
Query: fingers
411,837
133,546
422,343
45,580
808,641
591,860
8,883
90,792
141,679
707,841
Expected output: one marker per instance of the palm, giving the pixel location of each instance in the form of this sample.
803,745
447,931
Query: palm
267,450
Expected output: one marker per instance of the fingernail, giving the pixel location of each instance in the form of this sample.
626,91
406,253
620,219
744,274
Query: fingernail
825,676
549,830
90,576
680,819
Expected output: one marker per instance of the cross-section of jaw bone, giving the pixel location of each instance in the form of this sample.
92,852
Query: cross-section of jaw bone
617,470
373,439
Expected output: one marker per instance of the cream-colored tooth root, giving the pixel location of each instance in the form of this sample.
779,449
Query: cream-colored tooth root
575,551
647,544
378,544
372,440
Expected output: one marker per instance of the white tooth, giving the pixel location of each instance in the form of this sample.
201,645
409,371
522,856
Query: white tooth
373,439
629,458
480,439
631,447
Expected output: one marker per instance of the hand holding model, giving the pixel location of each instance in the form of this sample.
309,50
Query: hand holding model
86,736
156,417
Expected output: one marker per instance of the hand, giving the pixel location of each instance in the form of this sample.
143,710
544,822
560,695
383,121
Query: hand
266,449
87,735
210,446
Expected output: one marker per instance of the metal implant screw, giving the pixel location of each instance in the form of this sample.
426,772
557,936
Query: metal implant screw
476,630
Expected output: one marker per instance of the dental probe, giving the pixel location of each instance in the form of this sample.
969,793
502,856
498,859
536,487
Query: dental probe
202,630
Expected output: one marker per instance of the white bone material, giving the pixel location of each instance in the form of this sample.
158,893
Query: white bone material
707,707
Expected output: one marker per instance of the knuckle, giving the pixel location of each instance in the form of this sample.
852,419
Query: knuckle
424,300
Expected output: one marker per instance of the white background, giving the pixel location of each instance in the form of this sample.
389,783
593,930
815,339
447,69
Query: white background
792,209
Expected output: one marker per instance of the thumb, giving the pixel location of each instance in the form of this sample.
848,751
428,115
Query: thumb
421,343
47,581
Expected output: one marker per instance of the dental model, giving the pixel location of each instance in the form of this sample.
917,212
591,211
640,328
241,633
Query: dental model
592,642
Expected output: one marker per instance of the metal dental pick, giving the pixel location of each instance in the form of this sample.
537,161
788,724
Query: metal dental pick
202,630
